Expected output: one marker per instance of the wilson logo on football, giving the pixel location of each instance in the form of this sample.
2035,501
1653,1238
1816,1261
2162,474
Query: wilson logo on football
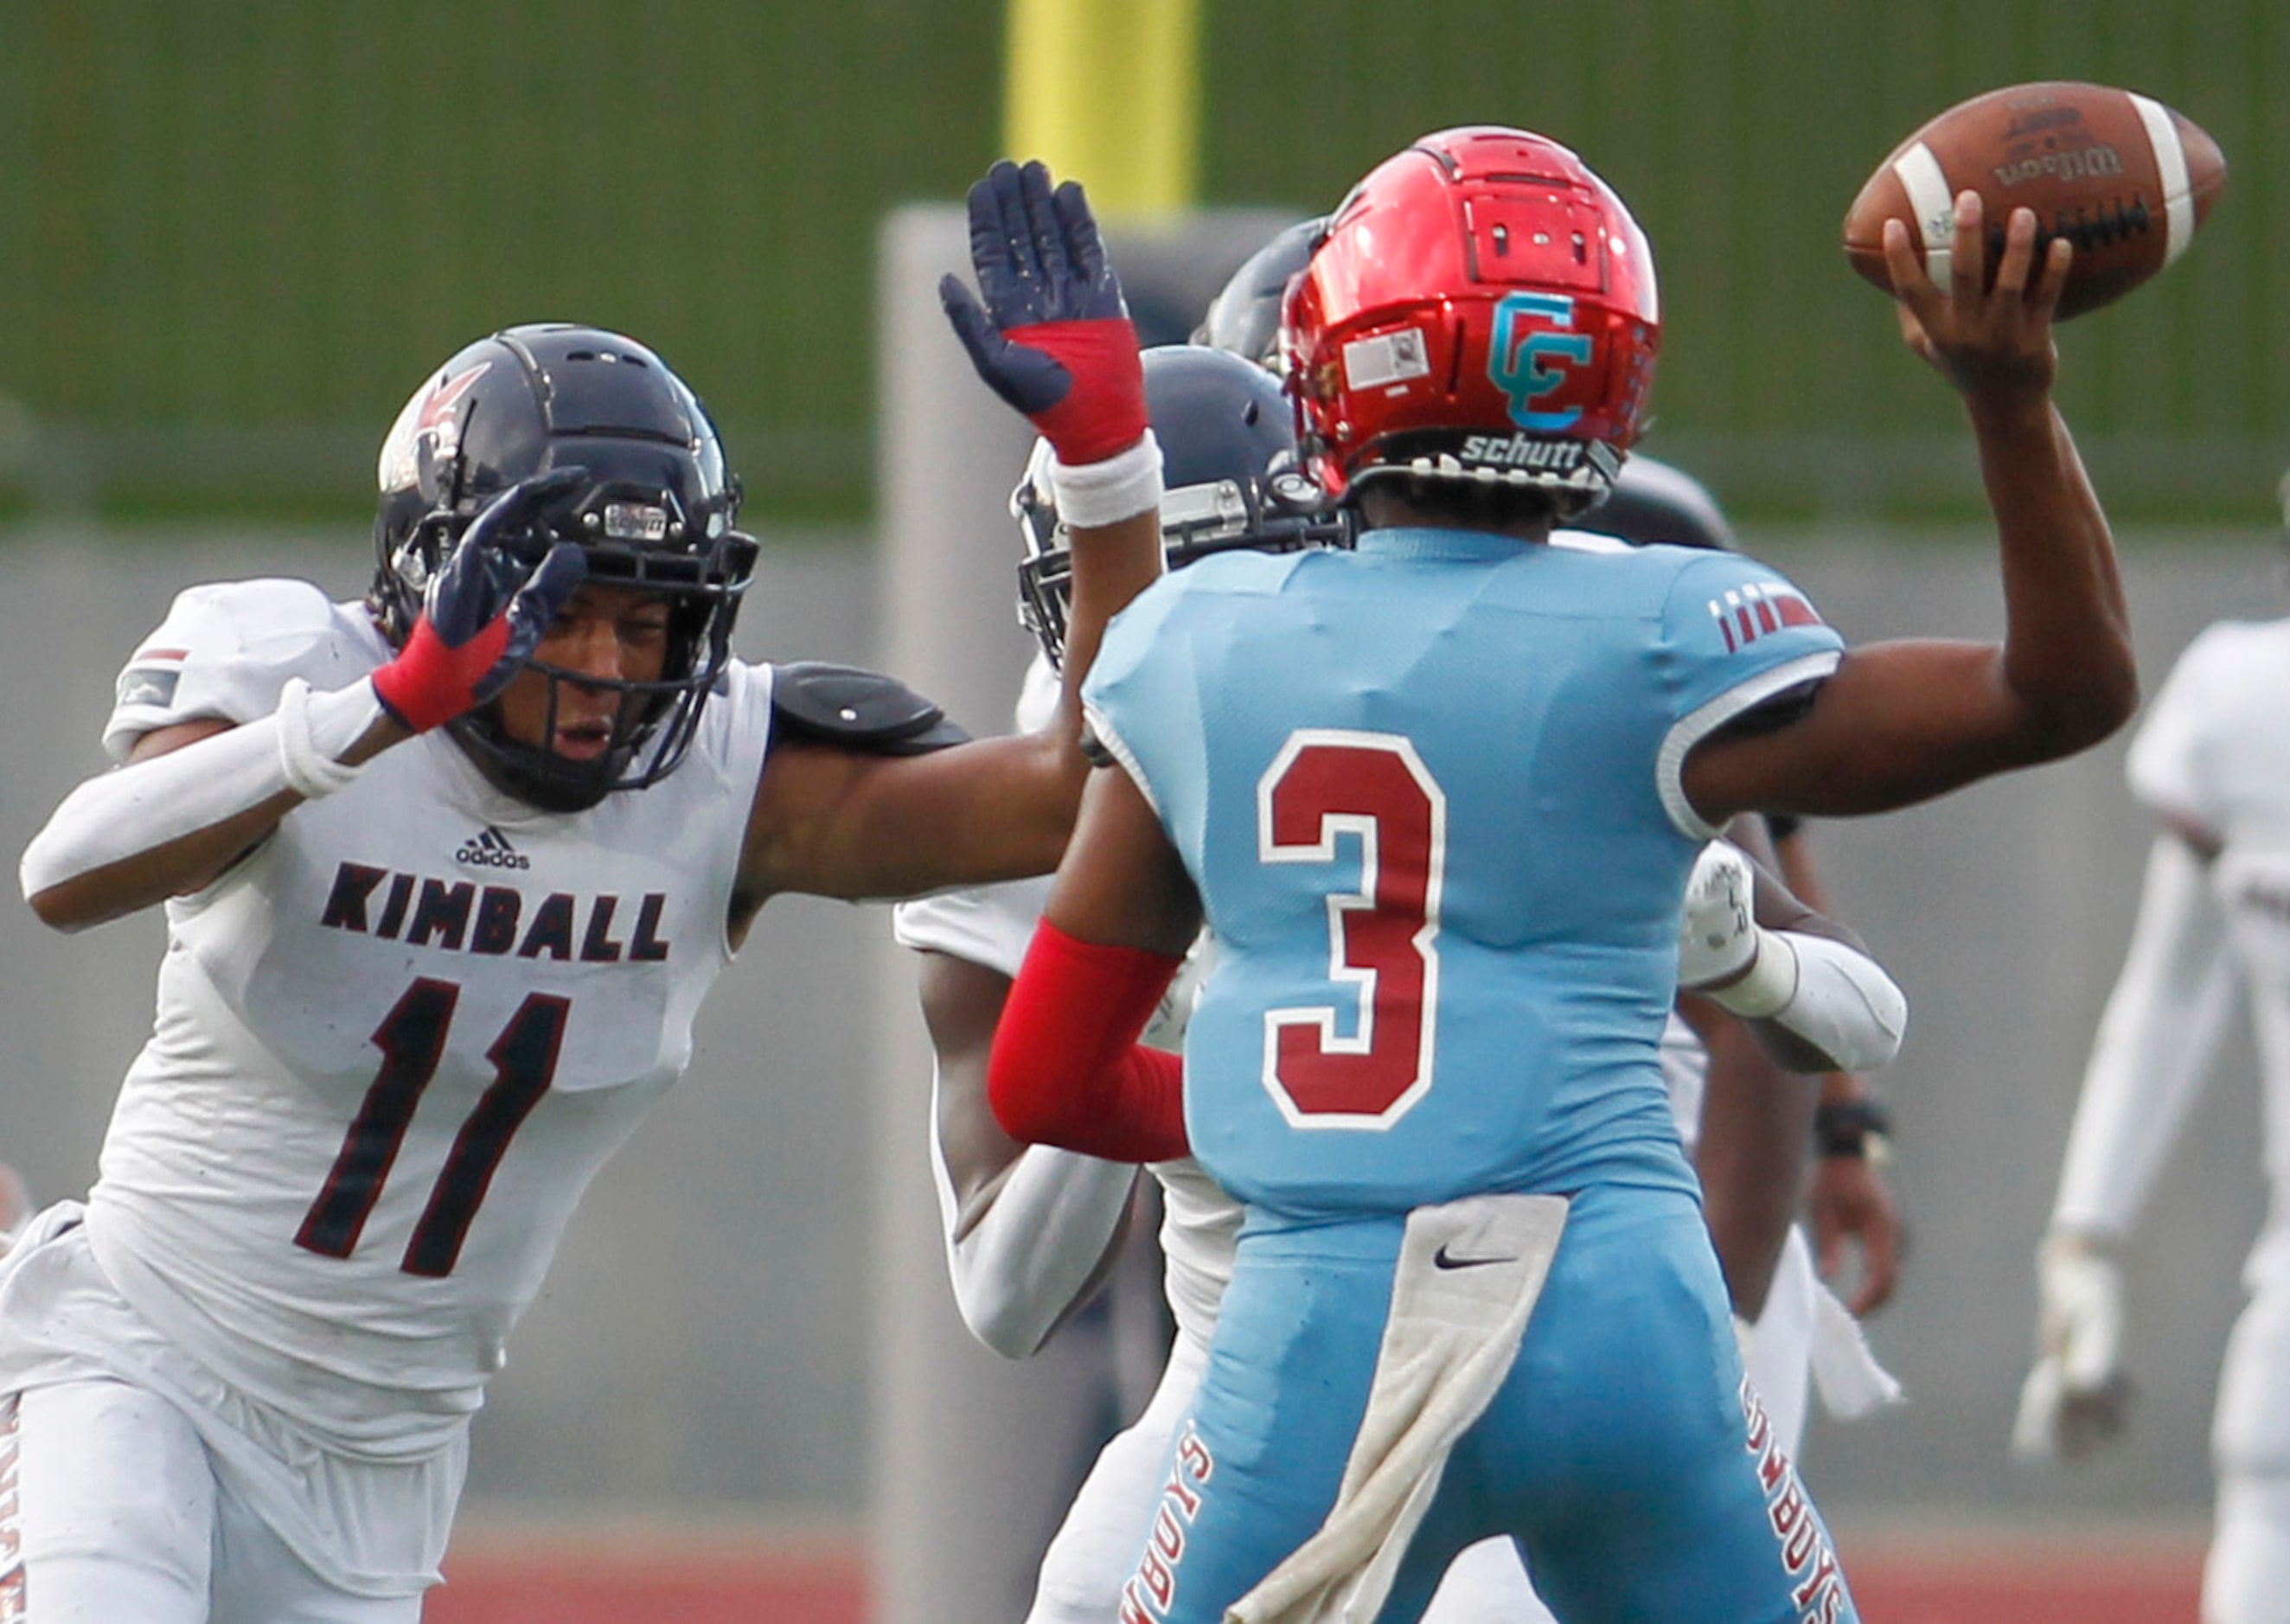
1756,609
491,849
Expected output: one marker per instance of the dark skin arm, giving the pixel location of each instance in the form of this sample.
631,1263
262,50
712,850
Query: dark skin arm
1757,1112
1903,722
1850,1208
1756,1125
1122,883
833,822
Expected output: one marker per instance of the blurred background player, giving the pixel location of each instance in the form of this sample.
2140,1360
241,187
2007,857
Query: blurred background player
1463,775
1030,1231
2212,763
15,1206
447,873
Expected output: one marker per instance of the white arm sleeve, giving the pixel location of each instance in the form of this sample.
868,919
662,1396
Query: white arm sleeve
1036,1246
144,805
1832,995
2153,1051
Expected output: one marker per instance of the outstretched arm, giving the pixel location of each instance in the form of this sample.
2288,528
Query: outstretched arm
1903,722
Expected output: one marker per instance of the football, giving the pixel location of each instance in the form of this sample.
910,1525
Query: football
2124,178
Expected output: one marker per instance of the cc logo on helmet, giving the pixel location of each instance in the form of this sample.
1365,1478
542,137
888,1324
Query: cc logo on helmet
1532,356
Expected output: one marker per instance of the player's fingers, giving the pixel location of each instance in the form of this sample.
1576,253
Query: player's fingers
1017,228
1912,329
2018,261
990,242
2051,279
1916,300
1905,264
1045,231
1077,224
1880,1267
972,324
521,499
1829,1245
1967,268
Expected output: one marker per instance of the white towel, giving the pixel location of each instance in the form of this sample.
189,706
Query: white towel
1851,1382
1467,1275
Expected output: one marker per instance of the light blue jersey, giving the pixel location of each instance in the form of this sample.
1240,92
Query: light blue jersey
1428,791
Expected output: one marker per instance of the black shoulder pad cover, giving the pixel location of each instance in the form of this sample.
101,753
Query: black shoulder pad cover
860,710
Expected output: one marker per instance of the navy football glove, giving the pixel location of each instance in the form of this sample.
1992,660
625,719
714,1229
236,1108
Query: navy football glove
484,609
1052,337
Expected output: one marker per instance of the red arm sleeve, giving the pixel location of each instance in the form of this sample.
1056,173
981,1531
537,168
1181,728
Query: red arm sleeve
1067,1068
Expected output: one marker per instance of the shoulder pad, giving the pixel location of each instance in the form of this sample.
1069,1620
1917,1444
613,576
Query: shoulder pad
860,710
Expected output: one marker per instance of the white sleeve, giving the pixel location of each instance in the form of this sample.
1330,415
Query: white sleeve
1036,1244
2153,1051
2173,762
987,924
1026,1262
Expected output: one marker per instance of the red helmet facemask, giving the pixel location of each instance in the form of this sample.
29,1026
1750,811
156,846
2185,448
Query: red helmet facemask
1482,309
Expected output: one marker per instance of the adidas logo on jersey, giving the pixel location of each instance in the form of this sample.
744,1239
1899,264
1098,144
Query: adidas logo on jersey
491,849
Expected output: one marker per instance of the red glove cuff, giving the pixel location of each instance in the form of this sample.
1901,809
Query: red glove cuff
1104,410
1067,1068
431,682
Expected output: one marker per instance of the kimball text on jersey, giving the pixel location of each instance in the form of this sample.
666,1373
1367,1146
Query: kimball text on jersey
459,916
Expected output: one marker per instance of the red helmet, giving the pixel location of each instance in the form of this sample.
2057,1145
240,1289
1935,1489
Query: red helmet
1482,307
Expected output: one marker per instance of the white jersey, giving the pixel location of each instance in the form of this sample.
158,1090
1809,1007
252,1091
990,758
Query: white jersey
2210,752
2217,747
394,1045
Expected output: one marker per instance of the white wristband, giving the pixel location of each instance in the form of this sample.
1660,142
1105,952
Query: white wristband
314,729
1105,491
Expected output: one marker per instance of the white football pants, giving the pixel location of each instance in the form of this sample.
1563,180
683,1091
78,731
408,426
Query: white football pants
2247,1577
118,1516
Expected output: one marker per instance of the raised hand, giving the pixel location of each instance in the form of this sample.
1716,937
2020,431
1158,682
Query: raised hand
1989,340
484,610
1053,336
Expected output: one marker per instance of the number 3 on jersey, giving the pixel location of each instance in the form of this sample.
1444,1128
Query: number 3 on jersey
1325,785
